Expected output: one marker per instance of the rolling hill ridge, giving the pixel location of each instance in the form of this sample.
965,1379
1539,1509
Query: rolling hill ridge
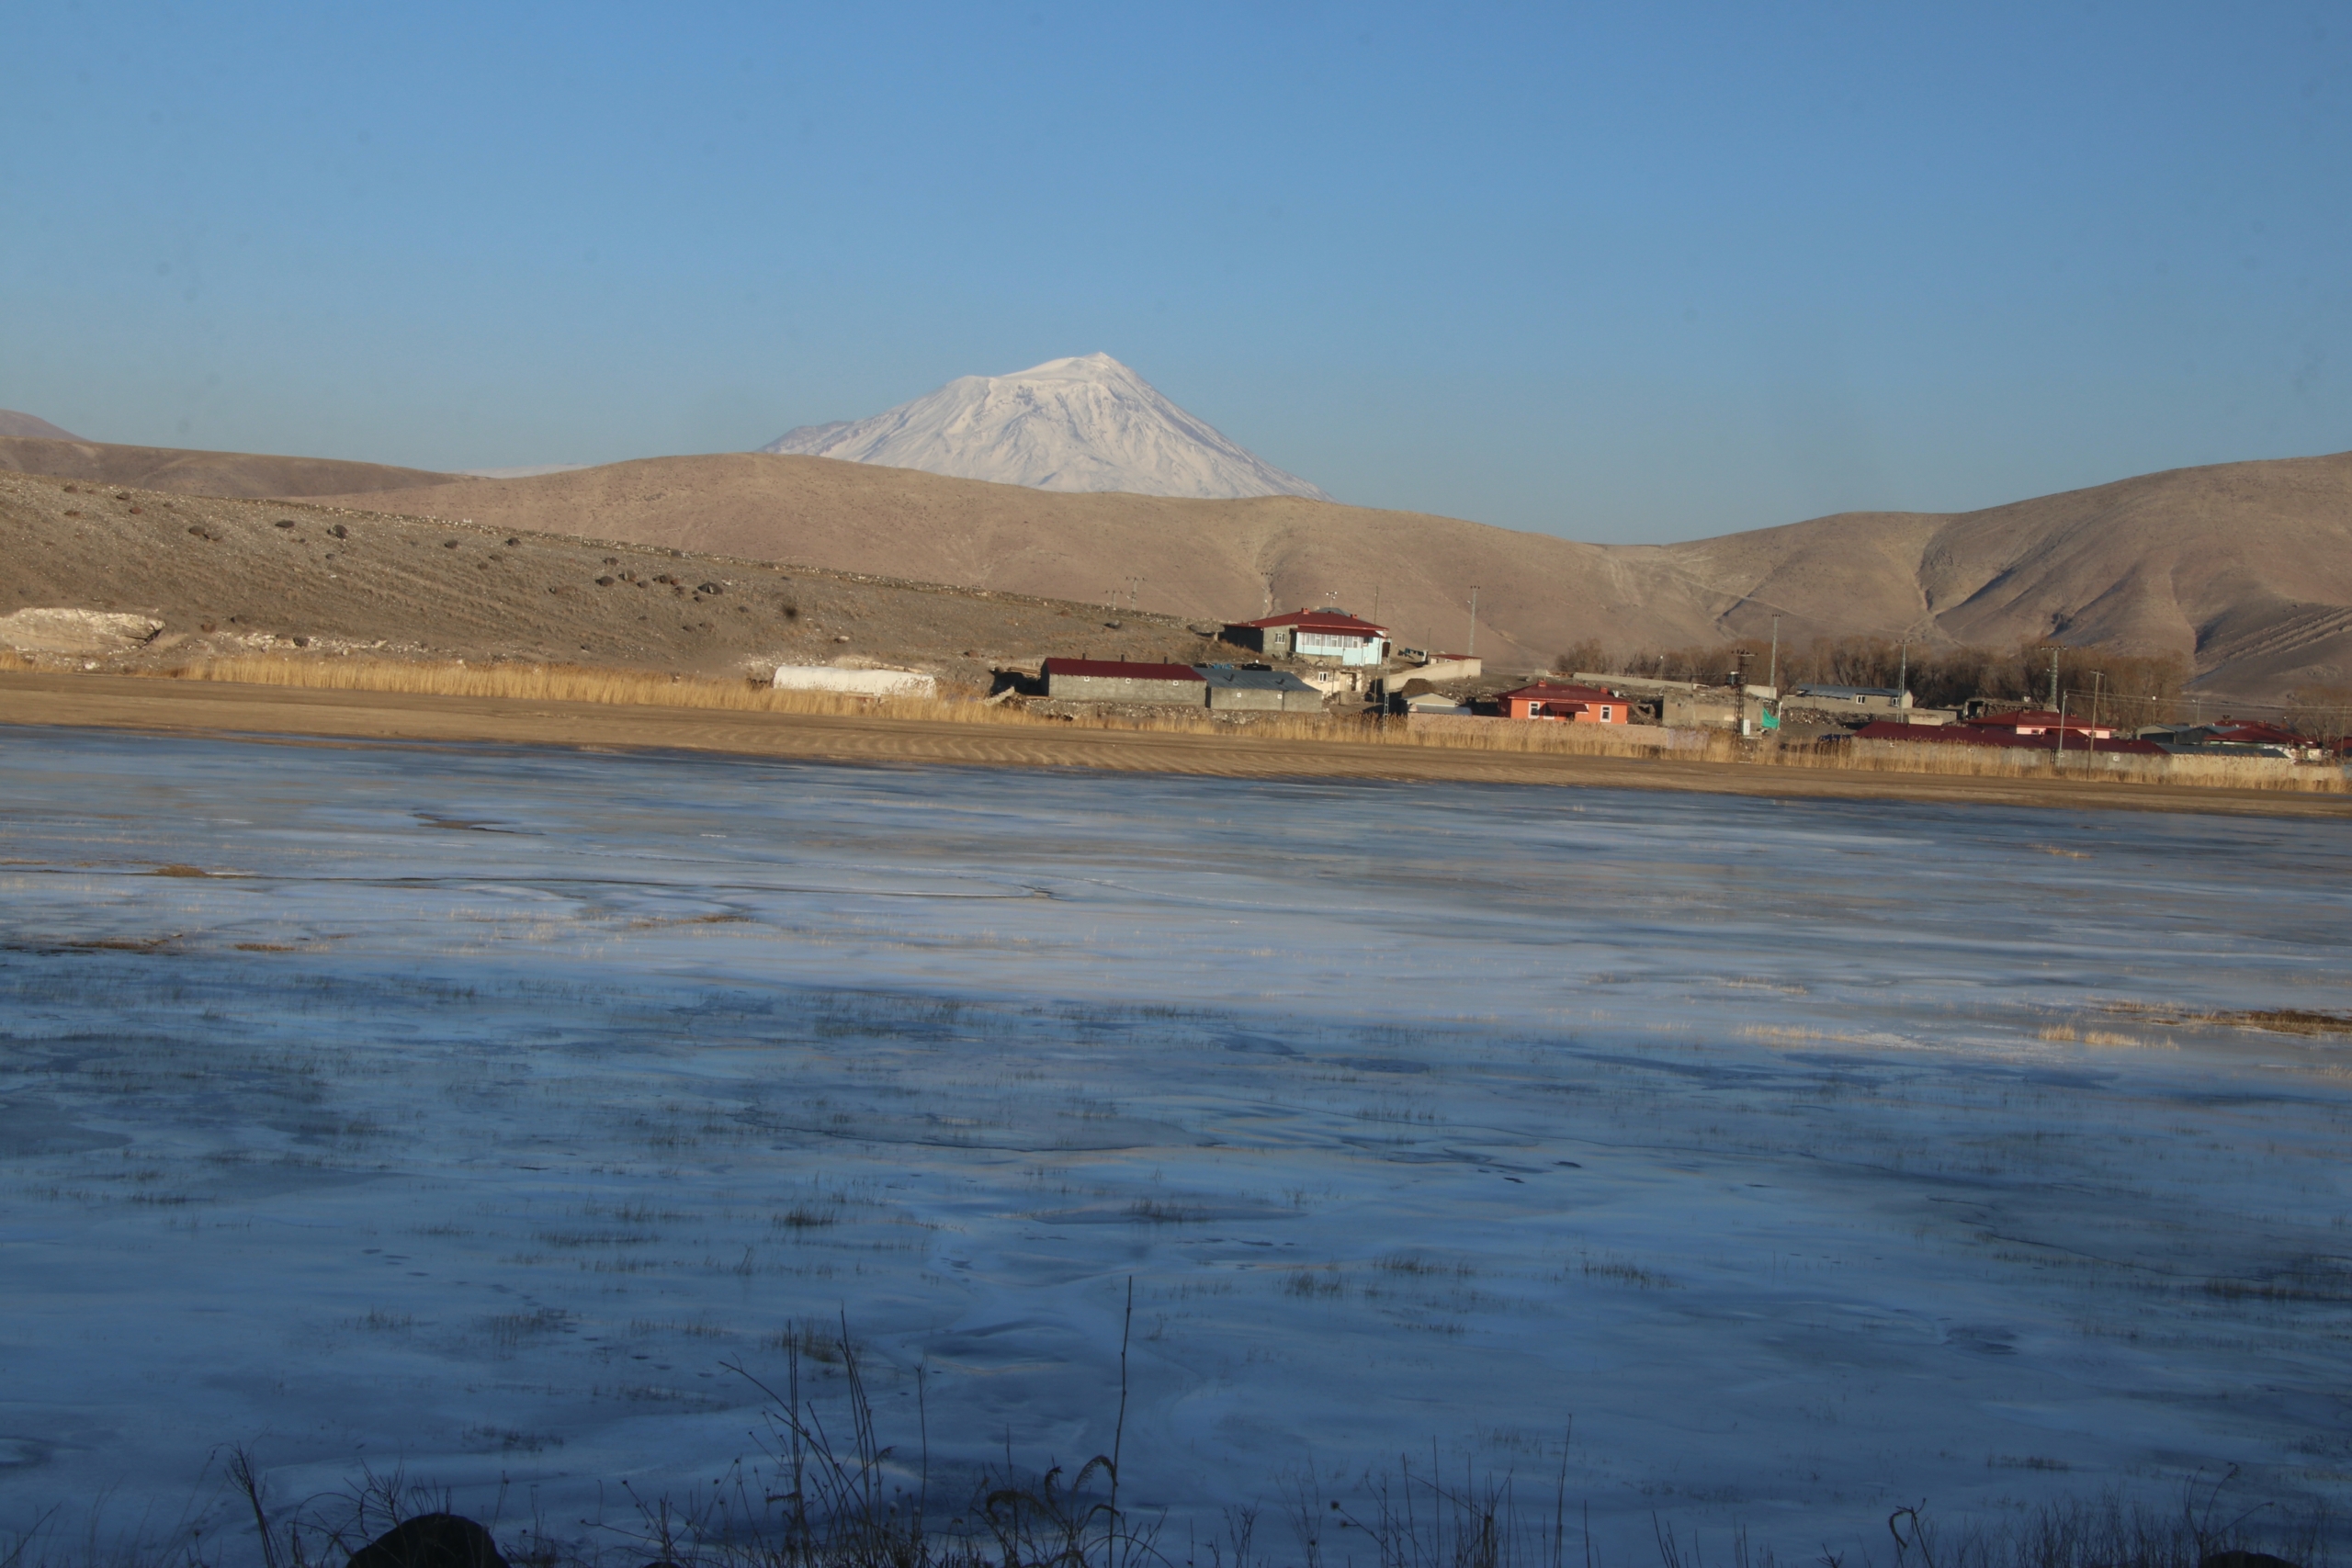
2244,568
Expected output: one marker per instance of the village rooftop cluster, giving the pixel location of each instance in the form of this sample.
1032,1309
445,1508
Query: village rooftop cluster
1309,660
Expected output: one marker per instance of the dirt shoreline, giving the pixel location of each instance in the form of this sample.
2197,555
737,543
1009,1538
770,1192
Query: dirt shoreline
223,709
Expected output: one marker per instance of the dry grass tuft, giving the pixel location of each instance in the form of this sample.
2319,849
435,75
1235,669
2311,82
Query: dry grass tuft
2272,1021
829,1493
559,684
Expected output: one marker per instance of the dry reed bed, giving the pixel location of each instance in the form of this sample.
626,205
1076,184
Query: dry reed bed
578,683
1963,761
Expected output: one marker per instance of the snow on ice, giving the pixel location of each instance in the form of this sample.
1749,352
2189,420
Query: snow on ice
1766,1163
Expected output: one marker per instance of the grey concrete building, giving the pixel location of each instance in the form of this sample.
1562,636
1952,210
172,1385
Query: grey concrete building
1242,689
1117,681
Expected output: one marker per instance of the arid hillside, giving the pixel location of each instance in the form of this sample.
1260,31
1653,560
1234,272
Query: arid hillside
229,576
15,422
1202,560
246,474
2244,568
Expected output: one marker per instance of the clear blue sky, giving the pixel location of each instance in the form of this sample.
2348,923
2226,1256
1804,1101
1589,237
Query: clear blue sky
1615,272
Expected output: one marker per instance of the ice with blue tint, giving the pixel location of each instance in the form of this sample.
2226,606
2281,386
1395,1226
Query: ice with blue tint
1766,1162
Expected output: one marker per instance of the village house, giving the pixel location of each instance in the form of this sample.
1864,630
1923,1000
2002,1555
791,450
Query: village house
1326,634
1571,704
2235,738
2036,721
1688,705
1117,681
2027,730
1251,688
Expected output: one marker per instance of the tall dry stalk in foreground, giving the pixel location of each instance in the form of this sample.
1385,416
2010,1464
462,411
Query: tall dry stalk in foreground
835,1494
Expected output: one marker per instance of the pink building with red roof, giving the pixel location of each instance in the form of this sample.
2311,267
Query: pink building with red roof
1566,705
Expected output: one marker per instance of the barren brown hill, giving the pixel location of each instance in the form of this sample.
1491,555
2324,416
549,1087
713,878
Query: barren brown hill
2245,568
226,576
2242,566
13,423
1214,559
198,473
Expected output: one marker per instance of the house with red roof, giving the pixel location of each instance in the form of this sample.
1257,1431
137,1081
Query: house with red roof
1326,634
2257,732
2051,737
1564,705
2035,722
2237,738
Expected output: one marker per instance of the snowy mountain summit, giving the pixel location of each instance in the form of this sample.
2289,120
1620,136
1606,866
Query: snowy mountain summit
1088,424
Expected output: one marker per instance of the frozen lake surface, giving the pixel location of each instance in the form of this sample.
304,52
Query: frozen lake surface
1773,1163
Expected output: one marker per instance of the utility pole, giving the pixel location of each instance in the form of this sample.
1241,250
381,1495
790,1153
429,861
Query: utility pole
2053,675
2099,679
1472,651
1903,674
1772,676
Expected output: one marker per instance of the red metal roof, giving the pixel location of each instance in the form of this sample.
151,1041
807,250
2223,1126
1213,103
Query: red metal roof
2033,718
1995,735
1120,669
2254,732
1545,691
1319,621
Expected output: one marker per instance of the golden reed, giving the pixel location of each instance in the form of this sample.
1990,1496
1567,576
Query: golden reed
583,684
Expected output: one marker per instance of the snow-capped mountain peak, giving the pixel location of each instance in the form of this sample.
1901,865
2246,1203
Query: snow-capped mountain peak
1083,423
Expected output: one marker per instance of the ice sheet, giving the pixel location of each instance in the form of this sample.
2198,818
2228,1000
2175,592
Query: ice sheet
1773,1163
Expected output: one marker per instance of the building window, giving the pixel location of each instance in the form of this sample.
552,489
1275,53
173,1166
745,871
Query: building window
1604,713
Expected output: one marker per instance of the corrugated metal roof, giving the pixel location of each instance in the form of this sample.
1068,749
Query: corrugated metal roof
1118,670
1251,680
2032,719
1319,621
2257,732
1544,692
1981,735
